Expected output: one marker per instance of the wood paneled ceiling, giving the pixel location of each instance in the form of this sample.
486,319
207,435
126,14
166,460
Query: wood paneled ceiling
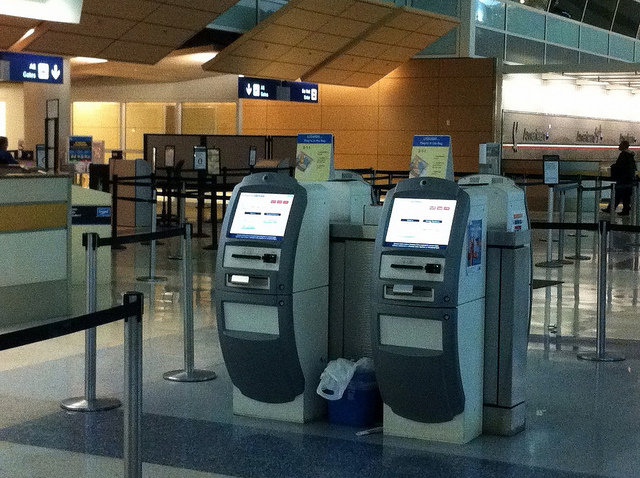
341,42
138,31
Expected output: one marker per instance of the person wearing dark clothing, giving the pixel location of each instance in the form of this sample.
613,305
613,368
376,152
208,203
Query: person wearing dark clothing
5,156
623,172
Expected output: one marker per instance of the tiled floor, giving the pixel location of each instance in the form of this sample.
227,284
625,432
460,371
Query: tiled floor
583,417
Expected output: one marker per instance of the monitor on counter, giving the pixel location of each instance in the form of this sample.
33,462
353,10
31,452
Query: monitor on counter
261,216
420,223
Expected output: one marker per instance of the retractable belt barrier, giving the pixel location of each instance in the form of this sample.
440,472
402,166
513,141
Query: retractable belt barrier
604,228
131,312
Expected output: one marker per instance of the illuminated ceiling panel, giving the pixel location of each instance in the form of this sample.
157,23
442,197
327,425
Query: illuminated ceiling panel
343,42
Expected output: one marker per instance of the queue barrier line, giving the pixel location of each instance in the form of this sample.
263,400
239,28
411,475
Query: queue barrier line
131,312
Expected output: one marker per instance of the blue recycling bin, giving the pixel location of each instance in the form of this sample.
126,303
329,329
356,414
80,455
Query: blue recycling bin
360,404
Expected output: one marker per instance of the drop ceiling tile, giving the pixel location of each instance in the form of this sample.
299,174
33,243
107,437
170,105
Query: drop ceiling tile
361,80
69,44
237,65
284,71
180,17
345,27
417,40
398,53
407,21
303,56
304,19
368,49
324,42
157,35
368,12
390,36
95,25
135,52
328,75
10,35
261,50
380,67
330,7
436,27
282,34
18,22
348,62
137,10
216,6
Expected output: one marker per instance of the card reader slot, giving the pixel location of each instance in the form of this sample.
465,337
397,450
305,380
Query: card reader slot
247,281
406,266
246,256
414,293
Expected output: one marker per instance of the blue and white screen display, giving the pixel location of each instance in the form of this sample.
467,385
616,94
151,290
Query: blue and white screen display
420,223
261,216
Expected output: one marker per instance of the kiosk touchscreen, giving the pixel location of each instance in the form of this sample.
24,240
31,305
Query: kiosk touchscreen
272,296
427,310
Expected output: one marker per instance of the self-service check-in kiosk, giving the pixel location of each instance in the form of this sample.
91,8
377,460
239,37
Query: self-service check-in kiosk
272,296
508,303
427,310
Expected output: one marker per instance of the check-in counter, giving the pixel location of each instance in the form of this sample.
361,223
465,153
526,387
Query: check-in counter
35,242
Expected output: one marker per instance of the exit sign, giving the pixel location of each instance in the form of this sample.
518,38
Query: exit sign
35,68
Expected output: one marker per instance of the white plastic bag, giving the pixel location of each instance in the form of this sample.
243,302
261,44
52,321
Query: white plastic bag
335,378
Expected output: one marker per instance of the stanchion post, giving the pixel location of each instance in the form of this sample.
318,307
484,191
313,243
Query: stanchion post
224,191
578,253
601,354
612,203
214,214
178,256
202,175
597,195
114,213
550,262
636,202
152,244
133,389
89,402
563,206
189,373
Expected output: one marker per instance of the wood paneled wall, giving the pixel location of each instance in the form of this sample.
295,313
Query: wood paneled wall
373,127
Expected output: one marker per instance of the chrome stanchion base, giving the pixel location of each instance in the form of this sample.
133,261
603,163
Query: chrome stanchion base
81,404
550,264
607,357
193,376
579,258
152,279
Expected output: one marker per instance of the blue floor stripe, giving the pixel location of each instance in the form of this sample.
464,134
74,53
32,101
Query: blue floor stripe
255,453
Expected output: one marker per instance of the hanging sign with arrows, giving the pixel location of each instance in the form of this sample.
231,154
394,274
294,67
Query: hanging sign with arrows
266,89
36,68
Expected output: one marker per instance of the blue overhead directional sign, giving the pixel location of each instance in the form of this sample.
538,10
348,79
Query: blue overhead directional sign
37,68
265,89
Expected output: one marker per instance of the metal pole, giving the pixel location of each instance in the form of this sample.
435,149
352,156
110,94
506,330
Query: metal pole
189,373
601,355
597,197
114,214
133,390
550,262
178,256
152,244
89,402
636,202
612,203
214,214
578,254
200,208
563,204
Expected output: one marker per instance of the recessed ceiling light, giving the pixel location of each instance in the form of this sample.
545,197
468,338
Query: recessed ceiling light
86,59
203,57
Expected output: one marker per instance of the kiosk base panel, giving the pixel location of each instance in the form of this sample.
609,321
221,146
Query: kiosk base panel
504,421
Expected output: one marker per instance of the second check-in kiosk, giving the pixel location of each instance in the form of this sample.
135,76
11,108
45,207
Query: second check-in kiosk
272,296
427,310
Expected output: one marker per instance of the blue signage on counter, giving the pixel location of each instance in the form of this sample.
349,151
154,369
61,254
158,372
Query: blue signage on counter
36,68
80,148
91,215
428,140
266,89
314,138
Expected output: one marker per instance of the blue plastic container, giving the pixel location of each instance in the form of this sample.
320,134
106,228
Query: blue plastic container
360,402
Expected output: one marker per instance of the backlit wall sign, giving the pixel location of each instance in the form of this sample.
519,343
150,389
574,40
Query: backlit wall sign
36,68
266,89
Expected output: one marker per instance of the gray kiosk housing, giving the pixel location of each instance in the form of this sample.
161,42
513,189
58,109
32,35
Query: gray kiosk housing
427,310
272,296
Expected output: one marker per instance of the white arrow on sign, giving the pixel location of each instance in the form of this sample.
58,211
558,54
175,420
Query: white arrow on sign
55,72
249,89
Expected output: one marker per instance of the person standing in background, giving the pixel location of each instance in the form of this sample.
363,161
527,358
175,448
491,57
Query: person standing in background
5,156
623,172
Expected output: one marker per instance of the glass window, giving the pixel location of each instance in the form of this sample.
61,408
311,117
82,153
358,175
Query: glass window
594,40
490,13
524,51
489,44
568,8
100,120
637,53
239,18
142,118
556,55
267,7
599,13
538,4
621,47
445,45
627,18
209,118
525,22
590,59
449,7
563,32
